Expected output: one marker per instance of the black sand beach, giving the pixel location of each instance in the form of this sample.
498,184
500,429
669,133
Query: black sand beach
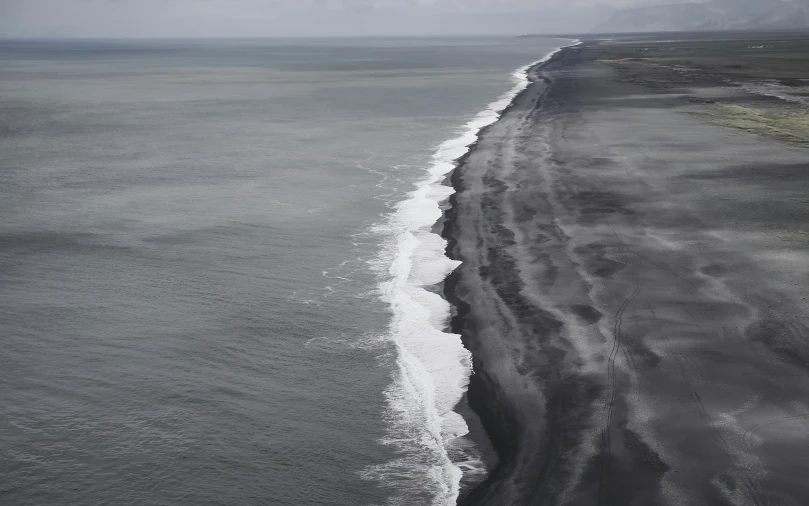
634,294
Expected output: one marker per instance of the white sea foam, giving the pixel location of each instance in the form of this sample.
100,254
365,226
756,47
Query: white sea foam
432,366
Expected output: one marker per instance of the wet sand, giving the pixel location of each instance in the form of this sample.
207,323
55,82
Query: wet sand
634,293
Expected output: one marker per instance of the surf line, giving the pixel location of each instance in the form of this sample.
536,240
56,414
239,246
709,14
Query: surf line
432,366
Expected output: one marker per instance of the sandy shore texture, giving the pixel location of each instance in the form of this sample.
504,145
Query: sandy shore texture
634,292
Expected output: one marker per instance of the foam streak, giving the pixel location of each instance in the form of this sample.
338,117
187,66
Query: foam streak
432,366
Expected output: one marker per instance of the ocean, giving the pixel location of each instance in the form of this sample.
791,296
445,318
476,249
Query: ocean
219,267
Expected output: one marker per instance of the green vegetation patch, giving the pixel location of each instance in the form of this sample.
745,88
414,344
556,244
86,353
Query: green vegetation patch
786,124
795,236
748,56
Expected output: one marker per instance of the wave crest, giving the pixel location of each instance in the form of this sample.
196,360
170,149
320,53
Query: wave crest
432,367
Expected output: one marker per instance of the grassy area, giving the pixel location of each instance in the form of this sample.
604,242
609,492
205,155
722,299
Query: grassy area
737,56
795,236
763,63
786,124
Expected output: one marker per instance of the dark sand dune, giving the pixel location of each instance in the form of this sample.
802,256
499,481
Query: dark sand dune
633,291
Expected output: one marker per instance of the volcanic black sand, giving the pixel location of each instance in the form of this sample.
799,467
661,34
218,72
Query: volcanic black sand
634,293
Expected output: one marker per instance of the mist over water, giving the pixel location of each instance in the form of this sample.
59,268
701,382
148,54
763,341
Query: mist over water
209,250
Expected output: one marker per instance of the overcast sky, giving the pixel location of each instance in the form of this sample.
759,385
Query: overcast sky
218,18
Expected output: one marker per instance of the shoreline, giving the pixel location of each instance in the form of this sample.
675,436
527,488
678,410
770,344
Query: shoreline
630,296
484,430
433,366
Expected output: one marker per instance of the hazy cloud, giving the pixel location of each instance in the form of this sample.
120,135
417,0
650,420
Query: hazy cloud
184,18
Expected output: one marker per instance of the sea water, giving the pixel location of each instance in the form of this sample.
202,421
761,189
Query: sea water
219,267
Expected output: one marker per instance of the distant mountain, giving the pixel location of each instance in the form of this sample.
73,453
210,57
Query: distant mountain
785,16
711,15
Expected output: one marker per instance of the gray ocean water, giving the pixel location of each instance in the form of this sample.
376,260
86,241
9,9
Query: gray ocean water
189,312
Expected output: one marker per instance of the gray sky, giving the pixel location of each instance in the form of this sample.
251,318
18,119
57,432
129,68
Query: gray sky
184,18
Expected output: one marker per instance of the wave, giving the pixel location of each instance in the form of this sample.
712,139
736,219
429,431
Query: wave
432,367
